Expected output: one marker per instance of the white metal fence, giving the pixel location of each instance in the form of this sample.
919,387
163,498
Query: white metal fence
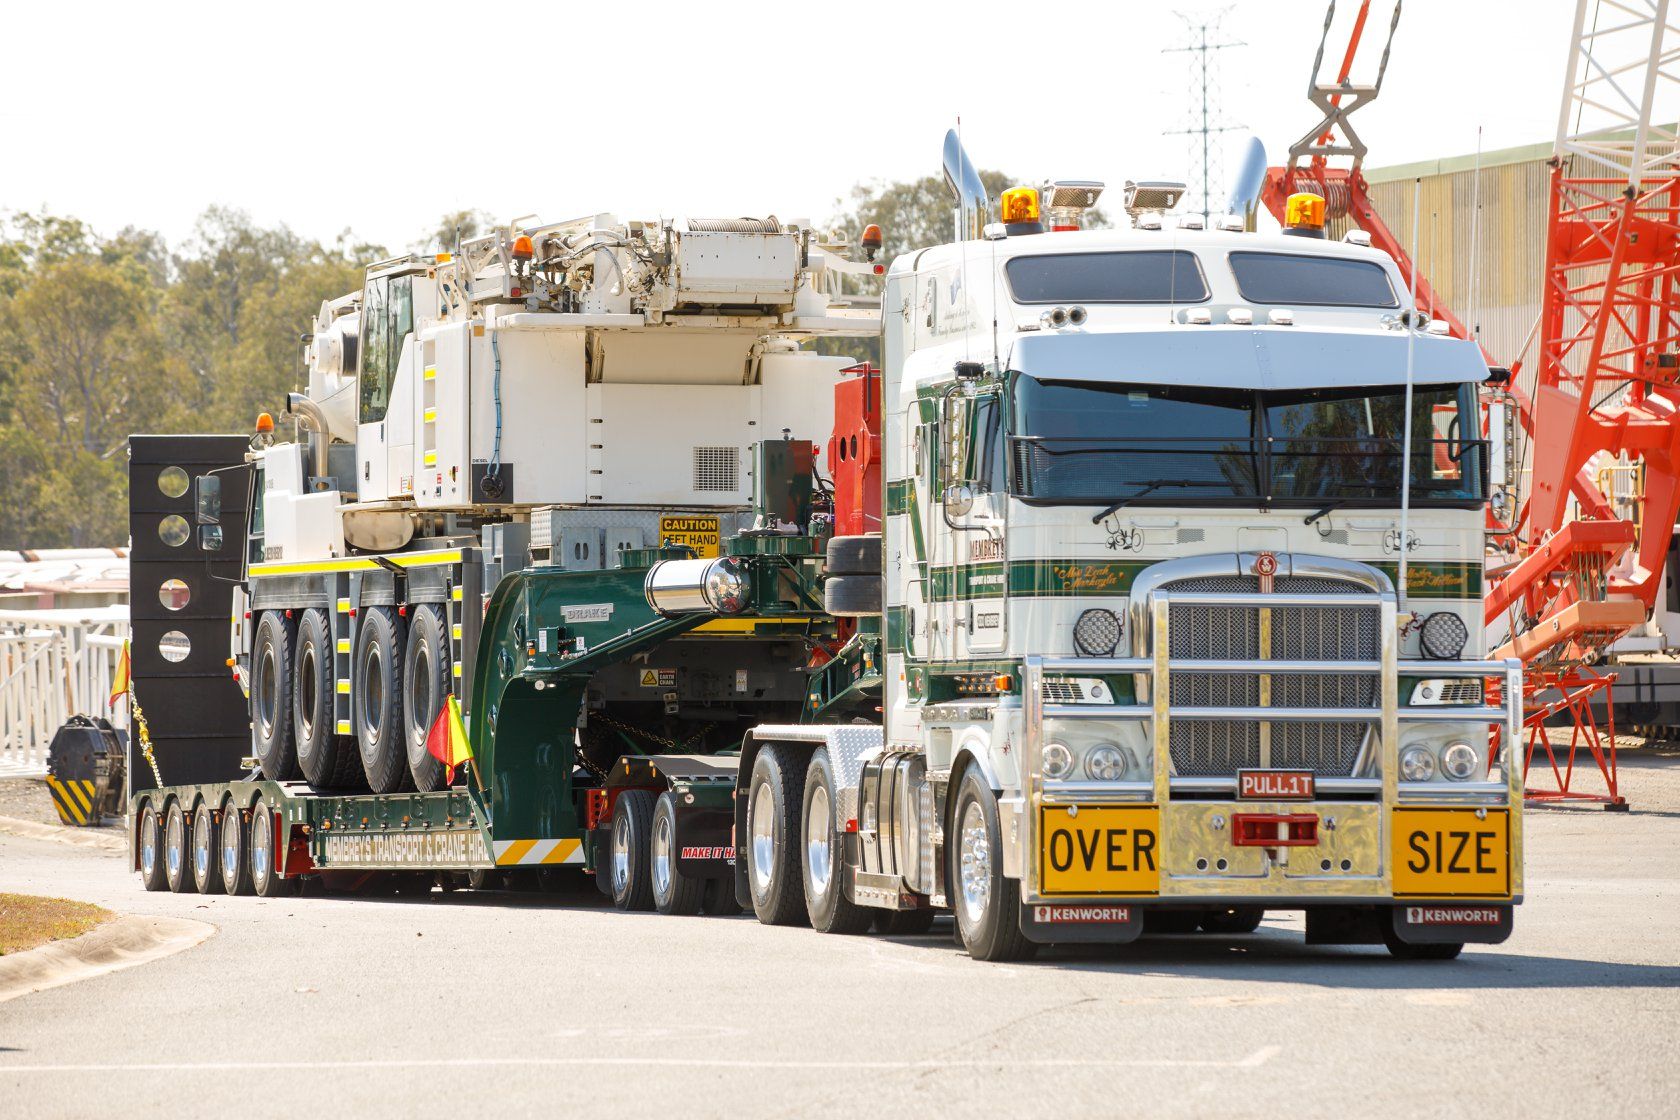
53,664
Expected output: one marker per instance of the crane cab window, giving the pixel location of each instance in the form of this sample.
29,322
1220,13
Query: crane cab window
387,318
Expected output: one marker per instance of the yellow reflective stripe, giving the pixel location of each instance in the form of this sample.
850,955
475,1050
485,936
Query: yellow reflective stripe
515,851
344,727
562,851
429,459
455,631
431,373
429,415
355,564
456,668
344,688
83,793
455,594
344,606
344,645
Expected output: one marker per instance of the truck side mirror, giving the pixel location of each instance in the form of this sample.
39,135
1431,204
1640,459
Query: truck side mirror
1501,463
207,499
959,500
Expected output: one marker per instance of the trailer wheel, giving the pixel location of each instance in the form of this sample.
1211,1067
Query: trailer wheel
426,682
206,868
326,758
1232,919
852,596
987,904
673,892
854,556
376,701
177,869
272,740
823,865
151,850
265,855
632,870
719,898
485,879
904,923
772,854
236,838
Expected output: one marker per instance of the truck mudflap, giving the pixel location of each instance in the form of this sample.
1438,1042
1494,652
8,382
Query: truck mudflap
1049,923
1442,923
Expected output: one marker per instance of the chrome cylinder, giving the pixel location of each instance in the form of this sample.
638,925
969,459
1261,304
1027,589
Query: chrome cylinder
703,586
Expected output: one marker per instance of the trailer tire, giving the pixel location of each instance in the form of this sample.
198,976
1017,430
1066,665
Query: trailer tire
272,739
177,850
264,855
904,923
150,850
206,868
854,556
632,869
822,865
326,758
235,841
426,682
719,900
376,701
772,837
673,892
852,596
987,903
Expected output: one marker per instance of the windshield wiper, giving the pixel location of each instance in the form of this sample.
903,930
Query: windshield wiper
1147,487
1321,513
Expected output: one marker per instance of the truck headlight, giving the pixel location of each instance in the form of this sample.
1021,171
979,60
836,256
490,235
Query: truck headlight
1417,764
1056,761
1458,761
1443,636
1106,762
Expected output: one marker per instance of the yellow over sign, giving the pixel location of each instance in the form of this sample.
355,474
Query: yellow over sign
1100,850
697,531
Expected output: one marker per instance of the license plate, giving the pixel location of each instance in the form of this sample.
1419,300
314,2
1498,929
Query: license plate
1275,785
1451,852
1106,850
698,532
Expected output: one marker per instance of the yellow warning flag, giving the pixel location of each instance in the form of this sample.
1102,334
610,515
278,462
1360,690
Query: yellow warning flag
119,682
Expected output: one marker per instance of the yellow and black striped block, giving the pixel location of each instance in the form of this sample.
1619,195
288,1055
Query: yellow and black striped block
73,798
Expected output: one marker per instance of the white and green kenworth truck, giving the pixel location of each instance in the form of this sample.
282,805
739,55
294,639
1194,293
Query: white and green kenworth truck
1138,590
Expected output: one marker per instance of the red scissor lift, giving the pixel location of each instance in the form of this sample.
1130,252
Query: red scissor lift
1577,576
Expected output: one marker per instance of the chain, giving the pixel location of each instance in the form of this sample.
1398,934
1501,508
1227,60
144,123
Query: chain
145,734
661,740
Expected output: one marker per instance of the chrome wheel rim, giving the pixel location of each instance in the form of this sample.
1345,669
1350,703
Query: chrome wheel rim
621,854
174,842
261,831
148,843
818,837
662,855
975,863
201,844
230,840
763,825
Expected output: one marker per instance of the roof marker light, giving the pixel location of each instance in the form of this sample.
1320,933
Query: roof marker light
1281,317
1233,223
1198,316
1149,221
1357,237
1019,209
1241,316
1303,214
1192,221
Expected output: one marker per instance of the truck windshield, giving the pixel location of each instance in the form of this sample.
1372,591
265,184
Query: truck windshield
1085,442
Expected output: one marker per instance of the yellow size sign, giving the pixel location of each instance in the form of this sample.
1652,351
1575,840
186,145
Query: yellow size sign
697,531
1107,850
1440,852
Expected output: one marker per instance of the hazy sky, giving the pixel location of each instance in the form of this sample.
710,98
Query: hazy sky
382,116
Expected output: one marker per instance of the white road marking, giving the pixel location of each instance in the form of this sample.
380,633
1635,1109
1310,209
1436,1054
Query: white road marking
1252,1061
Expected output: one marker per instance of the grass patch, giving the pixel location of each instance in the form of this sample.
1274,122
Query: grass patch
27,921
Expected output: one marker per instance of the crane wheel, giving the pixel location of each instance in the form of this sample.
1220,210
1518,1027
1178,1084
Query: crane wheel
272,738
772,837
150,845
426,683
632,869
206,868
327,759
235,840
177,853
376,701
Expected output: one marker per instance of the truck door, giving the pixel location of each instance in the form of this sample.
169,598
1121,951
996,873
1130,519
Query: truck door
983,609
387,319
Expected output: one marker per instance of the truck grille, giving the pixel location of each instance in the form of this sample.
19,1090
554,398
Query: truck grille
1219,748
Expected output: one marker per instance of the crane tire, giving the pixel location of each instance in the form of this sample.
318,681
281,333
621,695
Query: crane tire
854,556
426,685
376,701
272,738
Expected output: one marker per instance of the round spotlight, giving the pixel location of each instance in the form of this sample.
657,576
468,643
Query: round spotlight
1444,636
1076,316
1458,761
1417,764
1096,633
1057,761
1106,762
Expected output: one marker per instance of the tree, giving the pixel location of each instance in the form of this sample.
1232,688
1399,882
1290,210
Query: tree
452,229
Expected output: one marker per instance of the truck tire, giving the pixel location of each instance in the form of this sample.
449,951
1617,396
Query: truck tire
772,839
426,682
854,556
673,892
272,740
235,837
265,855
376,701
823,865
206,867
719,899
904,923
177,850
852,596
327,759
1232,919
150,845
1406,951
986,903
632,870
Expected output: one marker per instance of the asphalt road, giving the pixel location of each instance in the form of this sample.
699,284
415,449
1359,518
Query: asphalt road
523,1004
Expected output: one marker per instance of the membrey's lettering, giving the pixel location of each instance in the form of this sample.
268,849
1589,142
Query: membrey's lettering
433,848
